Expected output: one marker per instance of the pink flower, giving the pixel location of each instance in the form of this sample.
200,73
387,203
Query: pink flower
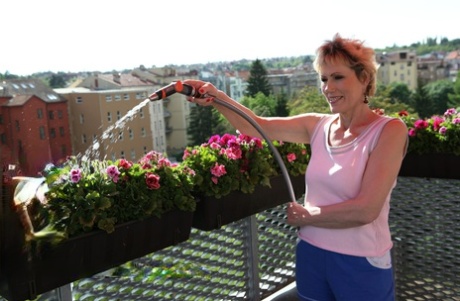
214,145
450,111
75,175
218,170
113,173
164,162
152,180
125,164
442,130
421,124
291,157
412,132
456,121
437,122
215,180
186,154
233,153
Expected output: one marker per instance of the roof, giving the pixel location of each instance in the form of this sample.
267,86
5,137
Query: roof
28,87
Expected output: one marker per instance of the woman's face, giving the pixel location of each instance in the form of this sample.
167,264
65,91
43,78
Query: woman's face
341,87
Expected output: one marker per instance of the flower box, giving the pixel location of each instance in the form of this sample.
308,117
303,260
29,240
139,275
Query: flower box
26,273
212,213
431,166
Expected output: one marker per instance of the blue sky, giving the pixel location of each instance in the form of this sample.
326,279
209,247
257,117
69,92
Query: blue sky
102,35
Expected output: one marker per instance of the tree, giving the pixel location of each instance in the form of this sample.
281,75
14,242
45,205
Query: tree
454,98
309,99
261,104
281,108
257,81
204,122
57,81
438,92
400,92
422,103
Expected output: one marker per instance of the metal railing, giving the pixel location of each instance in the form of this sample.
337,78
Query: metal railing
255,257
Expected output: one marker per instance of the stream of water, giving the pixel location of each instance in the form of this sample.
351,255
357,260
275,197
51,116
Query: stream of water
93,151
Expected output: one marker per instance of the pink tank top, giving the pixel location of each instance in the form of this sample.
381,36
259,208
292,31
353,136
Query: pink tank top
334,175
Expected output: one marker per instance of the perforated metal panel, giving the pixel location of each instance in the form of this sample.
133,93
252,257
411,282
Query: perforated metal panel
215,265
425,222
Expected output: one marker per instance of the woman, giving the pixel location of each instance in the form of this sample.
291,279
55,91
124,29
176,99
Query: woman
344,244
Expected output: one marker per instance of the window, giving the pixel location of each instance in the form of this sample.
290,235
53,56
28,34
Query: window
41,131
118,115
109,117
113,156
1,119
120,136
133,154
60,114
61,131
138,95
79,99
3,138
83,139
52,133
51,115
126,96
117,97
82,118
131,134
18,127
63,150
141,113
108,98
122,154
145,150
142,132
39,113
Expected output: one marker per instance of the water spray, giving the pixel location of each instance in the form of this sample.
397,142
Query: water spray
179,87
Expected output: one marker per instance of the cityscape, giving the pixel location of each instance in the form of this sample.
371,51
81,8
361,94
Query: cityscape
74,120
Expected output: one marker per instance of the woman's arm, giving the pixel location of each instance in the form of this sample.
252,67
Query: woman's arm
289,129
381,171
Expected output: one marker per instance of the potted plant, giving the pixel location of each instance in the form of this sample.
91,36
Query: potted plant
94,215
237,176
434,146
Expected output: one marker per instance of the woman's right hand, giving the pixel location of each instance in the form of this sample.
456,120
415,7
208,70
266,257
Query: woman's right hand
207,91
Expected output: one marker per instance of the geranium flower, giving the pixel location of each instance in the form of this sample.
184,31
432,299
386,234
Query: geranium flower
218,170
125,164
113,173
75,175
291,157
421,124
152,180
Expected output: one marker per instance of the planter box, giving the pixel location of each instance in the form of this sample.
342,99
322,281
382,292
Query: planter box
444,166
24,276
212,213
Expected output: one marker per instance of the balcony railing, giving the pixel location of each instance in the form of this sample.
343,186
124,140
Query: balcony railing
253,258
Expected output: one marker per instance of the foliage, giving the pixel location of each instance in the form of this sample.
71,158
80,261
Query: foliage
438,92
437,134
454,98
308,100
229,162
84,196
261,104
204,122
258,81
295,156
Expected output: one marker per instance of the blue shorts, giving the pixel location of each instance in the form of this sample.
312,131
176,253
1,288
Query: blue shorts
328,276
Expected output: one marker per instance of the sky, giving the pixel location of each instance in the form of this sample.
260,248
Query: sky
106,35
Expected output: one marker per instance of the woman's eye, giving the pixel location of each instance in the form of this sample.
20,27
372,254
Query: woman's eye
337,77
323,80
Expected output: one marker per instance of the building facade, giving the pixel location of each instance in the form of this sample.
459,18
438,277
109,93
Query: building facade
34,126
398,66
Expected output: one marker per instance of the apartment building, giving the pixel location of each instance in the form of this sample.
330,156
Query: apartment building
432,67
110,117
176,108
398,66
34,126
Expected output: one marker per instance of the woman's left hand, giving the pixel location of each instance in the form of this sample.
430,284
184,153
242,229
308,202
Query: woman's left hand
297,215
